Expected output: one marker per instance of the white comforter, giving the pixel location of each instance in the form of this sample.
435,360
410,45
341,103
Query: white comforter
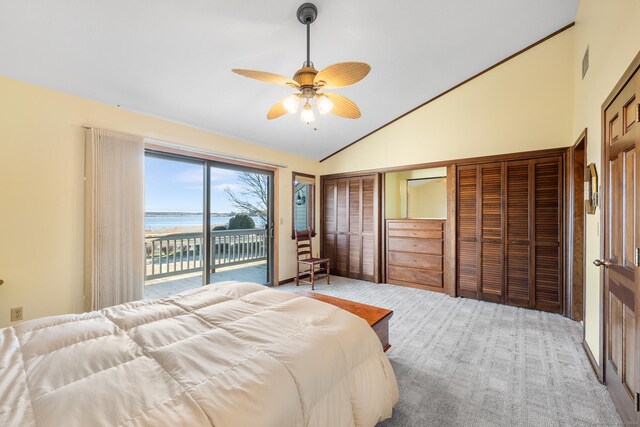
233,354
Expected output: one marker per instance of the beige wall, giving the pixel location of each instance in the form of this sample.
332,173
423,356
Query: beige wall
42,199
611,29
524,104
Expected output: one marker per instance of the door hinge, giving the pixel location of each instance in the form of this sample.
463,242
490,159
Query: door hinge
637,257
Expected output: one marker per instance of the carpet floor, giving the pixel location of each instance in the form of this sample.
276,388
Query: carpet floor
462,362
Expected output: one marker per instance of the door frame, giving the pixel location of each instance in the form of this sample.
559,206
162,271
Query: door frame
271,215
378,269
571,186
208,161
603,204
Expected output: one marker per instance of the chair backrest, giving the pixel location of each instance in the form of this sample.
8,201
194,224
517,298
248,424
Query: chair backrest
303,244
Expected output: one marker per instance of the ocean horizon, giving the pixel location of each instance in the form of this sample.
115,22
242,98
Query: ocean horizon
159,223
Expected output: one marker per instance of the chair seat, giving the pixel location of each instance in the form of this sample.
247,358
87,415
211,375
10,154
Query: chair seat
314,260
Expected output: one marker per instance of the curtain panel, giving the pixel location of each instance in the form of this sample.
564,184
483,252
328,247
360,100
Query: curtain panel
114,218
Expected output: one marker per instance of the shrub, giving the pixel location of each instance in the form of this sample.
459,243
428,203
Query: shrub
240,222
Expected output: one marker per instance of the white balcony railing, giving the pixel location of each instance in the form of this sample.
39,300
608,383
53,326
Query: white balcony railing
182,253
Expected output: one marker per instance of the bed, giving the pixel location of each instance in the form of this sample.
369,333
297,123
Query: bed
232,354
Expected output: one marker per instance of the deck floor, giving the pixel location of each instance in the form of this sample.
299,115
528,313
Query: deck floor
160,288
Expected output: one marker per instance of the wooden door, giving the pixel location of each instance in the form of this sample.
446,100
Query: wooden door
467,221
350,226
329,226
510,233
547,292
621,138
490,232
518,185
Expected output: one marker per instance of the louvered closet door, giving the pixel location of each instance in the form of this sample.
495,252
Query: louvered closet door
355,228
467,221
490,257
518,238
340,264
547,259
350,227
370,218
329,221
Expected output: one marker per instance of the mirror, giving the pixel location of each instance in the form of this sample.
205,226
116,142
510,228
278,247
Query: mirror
303,202
427,198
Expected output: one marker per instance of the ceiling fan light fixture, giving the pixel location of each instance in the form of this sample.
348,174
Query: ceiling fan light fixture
291,103
307,114
308,82
324,104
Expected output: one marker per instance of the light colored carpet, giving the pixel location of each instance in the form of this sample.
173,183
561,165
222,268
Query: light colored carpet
462,362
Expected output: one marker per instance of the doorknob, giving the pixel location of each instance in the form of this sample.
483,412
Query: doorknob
602,263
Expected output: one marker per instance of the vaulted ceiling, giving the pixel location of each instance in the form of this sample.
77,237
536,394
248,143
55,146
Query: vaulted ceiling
173,58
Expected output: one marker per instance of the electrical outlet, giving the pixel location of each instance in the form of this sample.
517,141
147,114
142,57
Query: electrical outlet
16,314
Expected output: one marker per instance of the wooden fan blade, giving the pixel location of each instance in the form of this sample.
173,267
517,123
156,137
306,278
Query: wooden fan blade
266,77
342,74
343,106
277,110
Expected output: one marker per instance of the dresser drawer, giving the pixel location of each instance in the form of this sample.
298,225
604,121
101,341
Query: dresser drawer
421,234
413,244
415,225
415,276
416,260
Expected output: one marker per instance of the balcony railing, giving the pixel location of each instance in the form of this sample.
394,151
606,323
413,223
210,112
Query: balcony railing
182,253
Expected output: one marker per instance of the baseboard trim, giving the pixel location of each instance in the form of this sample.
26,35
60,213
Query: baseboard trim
292,279
592,361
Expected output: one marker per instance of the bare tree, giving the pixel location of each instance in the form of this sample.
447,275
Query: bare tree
253,198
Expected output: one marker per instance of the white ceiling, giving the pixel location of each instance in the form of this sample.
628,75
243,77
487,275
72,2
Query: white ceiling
173,58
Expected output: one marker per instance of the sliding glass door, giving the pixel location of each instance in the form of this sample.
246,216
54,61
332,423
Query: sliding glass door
174,224
205,222
241,223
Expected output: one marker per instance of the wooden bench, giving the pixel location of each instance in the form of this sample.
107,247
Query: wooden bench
378,318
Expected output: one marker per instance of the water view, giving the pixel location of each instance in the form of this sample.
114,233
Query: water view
187,222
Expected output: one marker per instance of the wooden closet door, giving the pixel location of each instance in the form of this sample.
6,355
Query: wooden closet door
490,232
355,228
518,184
547,225
370,228
350,226
330,219
467,227
340,264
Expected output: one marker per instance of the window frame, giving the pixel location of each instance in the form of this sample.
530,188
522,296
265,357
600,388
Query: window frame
311,203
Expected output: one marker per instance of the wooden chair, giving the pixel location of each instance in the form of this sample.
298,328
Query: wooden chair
304,254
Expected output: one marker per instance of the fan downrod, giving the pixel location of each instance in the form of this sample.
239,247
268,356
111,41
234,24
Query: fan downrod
307,13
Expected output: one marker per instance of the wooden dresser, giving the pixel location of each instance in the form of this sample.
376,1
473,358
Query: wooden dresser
415,253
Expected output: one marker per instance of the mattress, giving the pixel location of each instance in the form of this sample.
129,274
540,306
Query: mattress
232,354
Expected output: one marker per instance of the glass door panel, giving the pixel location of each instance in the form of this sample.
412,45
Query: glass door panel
240,224
174,225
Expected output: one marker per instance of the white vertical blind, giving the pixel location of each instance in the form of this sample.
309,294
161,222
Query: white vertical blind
114,218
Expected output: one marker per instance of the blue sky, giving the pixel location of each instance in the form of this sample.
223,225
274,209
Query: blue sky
173,186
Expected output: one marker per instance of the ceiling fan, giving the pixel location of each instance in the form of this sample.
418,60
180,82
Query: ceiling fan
311,83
